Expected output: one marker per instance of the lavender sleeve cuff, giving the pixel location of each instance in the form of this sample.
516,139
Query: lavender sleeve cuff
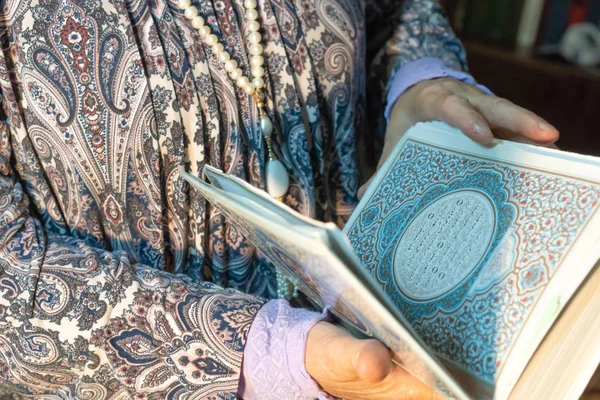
273,366
419,70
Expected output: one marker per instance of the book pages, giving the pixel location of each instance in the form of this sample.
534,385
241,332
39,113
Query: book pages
479,247
307,251
563,365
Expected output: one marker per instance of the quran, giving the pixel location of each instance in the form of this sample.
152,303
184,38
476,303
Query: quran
477,265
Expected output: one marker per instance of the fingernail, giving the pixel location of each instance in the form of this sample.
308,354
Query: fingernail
544,126
482,130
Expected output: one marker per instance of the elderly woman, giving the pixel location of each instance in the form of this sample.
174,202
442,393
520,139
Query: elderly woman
117,281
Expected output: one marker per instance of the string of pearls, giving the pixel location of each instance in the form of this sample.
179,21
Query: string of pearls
277,178
255,47
285,288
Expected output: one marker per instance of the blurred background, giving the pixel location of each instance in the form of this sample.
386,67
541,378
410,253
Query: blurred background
543,55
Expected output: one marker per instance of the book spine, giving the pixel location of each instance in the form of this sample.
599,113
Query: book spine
529,24
475,19
459,15
594,13
556,22
579,11
493,21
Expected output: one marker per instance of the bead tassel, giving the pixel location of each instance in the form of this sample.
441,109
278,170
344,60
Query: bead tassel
277,178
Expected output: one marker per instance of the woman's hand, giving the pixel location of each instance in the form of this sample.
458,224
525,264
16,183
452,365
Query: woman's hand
354,369
476,114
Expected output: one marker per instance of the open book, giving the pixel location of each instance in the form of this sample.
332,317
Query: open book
477,265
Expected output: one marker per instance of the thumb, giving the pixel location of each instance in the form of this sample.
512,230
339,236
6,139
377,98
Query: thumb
333,354
373,361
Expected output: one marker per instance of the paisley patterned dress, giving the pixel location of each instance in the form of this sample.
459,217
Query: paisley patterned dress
111,269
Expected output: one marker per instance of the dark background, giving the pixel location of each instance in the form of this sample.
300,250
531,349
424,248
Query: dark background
539,79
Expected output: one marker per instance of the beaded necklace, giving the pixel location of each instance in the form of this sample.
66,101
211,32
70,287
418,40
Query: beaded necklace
276,178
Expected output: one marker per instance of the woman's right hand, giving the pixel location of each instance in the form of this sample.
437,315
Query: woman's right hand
354,369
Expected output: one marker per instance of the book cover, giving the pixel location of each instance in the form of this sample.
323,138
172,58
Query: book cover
529,24
318,259
479,248
461,258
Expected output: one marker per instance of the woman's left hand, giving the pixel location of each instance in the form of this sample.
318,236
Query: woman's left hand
479,116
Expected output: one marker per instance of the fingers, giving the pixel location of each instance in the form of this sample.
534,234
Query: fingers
503,115
441,104
517,137
413,388
476,113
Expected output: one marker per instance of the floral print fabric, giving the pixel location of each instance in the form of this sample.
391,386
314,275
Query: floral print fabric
105,101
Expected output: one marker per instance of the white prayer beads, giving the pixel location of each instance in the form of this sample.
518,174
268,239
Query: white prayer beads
277,178
255,47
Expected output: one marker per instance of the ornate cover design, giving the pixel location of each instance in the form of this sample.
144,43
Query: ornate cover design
465,246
